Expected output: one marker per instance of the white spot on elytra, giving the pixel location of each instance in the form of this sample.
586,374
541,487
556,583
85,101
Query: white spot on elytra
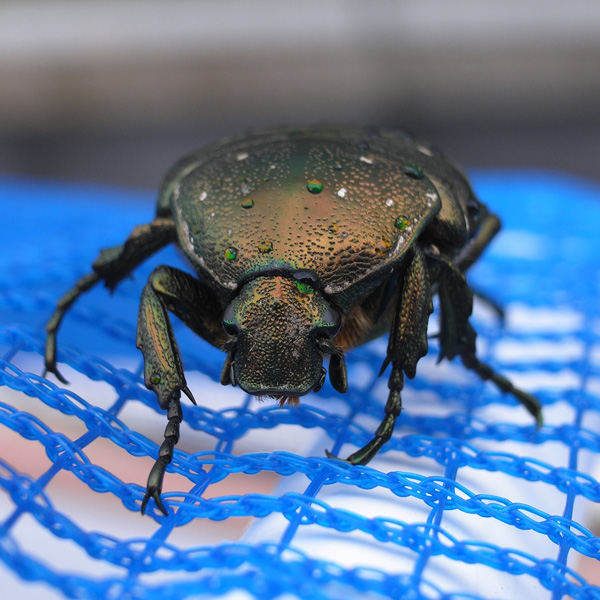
389,202
431,198
366,159
342,192
241,156
203,196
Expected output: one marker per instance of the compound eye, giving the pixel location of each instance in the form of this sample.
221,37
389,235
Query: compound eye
473,208
229,323
305,276
332,322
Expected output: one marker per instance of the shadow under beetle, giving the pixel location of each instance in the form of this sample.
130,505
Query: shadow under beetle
306,242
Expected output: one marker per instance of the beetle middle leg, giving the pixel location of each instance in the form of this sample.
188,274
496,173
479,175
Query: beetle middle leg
111,266
407,344
170,289
457,336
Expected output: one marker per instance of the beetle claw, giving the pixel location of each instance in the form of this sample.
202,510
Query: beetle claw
56,373
154,493
334,457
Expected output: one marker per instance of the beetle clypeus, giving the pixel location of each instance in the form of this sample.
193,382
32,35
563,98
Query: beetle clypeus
305,242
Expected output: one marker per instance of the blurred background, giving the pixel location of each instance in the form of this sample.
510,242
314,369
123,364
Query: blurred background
115,91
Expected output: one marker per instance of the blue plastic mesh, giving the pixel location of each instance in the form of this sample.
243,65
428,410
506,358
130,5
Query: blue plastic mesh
468,499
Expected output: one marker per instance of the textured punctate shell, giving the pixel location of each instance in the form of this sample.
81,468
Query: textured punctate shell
341,203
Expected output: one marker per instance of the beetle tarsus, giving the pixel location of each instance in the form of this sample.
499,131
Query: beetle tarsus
54,370
393,407
153,493
165,456
486,373
490,303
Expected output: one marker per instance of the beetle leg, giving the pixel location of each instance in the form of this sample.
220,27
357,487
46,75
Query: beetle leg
84,284
111,266
165,455
457,336
489,227
490,302
531,403
171,290
456,305
407,344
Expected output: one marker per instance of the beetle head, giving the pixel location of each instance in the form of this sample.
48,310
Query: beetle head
280,326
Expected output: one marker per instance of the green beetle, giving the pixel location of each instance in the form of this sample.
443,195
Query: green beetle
305,242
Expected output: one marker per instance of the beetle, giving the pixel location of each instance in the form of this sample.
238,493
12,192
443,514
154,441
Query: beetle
306,242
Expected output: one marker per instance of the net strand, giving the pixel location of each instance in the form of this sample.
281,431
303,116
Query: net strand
461,439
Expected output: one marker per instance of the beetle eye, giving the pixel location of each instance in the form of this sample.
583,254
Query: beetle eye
305,276
229,323
332,321
304,287
474,208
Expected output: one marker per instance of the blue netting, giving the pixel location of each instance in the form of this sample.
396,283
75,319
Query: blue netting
468,499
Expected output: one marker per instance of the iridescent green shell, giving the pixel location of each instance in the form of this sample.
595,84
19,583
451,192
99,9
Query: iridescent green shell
340,203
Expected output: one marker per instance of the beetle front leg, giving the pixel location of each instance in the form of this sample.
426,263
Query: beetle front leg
165,456
171,290
163,374
407,344
392,410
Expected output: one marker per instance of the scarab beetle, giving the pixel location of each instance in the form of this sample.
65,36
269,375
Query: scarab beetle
305,242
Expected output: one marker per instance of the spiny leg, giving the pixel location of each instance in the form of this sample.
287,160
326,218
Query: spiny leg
457,336
84,284
111,266
488,228
171,290
531,403
490,303
407,344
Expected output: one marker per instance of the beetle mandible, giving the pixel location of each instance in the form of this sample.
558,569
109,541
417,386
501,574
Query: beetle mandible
306,242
